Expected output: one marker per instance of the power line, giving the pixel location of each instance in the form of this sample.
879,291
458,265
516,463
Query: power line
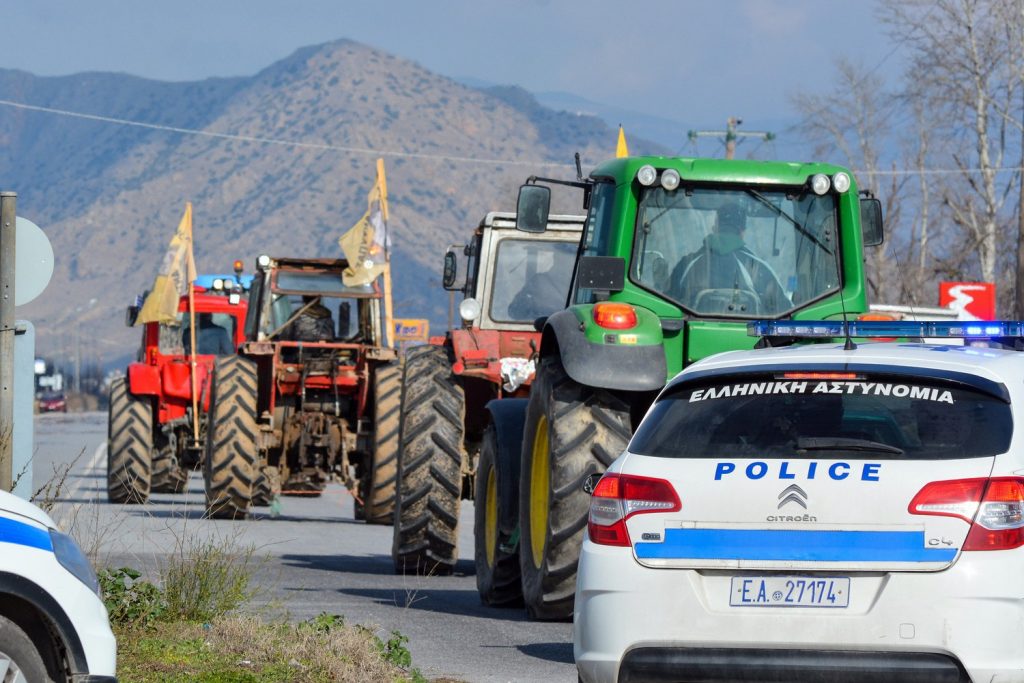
277,141
416,155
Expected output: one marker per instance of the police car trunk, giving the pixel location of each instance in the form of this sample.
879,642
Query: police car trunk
800,475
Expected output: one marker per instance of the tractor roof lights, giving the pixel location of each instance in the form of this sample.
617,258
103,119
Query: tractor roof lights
647,175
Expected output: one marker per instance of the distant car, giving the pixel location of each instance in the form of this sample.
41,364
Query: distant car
53,402
814,513
53,625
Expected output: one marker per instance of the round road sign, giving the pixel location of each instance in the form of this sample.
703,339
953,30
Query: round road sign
33,261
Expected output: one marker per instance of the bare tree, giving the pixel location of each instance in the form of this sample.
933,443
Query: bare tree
959,64
855,120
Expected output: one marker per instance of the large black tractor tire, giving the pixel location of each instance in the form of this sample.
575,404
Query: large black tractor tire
129,445
429,465
229,464
495,554
571,432
379,496
168,474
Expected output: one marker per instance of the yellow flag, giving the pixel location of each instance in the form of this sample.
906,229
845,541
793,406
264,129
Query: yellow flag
620,149
176,272
366,244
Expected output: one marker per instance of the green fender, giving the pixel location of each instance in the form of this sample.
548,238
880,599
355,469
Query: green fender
628,360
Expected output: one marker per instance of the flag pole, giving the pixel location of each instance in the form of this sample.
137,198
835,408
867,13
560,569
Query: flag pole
389,314
192,360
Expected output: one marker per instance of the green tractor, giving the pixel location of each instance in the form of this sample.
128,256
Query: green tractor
676,257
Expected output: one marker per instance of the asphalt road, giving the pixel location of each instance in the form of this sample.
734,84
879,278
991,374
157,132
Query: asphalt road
313,557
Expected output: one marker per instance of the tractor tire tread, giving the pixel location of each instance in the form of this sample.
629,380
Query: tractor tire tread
129,445
585,426
429,478
230,471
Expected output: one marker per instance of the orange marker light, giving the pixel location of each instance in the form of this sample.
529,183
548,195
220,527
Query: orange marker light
614,316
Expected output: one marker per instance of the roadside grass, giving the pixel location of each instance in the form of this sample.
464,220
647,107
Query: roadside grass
191,624
246,649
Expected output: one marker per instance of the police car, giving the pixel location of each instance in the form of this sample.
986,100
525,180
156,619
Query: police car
53,625
850,512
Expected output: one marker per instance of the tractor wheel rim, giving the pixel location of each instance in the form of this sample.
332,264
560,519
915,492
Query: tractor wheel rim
540,489
491,518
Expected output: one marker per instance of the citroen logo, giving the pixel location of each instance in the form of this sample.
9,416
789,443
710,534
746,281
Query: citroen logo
793,494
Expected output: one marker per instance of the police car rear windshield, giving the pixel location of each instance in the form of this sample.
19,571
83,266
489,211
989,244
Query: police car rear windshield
901,418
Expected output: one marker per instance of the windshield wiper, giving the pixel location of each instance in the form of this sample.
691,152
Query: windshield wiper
779,212
829,443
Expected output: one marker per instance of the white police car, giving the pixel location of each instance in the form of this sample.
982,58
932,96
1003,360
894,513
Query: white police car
53,625
816,512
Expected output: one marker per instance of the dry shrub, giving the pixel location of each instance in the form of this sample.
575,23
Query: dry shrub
337,654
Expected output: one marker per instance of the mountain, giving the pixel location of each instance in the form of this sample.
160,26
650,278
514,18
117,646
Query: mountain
282,166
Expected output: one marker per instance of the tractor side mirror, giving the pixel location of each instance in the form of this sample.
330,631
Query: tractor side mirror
532,208
131,314
344,320
871,221
450,270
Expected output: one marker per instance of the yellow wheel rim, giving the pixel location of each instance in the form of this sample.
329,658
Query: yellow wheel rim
491,517
539,491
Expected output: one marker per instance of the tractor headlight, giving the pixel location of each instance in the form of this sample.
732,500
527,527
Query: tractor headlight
646,175
262,260
218,284
469,309
670,179
841,181
820,183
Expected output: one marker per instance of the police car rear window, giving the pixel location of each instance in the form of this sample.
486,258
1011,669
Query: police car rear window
900,418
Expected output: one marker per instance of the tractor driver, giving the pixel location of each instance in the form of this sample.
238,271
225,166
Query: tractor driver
314,324
724,272
211,338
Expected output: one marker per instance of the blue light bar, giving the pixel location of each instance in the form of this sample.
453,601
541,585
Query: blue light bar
206,280
866,329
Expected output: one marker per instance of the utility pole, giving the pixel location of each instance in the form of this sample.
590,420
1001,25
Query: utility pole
730,134
8,207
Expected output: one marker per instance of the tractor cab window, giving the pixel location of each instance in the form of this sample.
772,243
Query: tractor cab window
319,306
597,232
215,335
318,282
323,318
531,279
736,252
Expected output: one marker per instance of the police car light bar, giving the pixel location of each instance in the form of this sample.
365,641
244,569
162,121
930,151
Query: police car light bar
866,329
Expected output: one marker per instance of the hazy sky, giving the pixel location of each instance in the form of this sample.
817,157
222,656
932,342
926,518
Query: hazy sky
696,62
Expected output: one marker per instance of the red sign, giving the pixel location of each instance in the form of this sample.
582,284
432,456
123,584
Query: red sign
971,300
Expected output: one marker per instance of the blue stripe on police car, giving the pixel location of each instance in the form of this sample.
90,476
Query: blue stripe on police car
802,469
788,545
19,533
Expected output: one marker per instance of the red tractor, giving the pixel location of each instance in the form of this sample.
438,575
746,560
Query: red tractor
152,431
451,428
312,395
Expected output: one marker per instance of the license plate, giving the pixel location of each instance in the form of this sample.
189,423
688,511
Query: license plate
789,591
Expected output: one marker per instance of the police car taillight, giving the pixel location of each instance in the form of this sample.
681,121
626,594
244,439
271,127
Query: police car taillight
994,508
617,497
